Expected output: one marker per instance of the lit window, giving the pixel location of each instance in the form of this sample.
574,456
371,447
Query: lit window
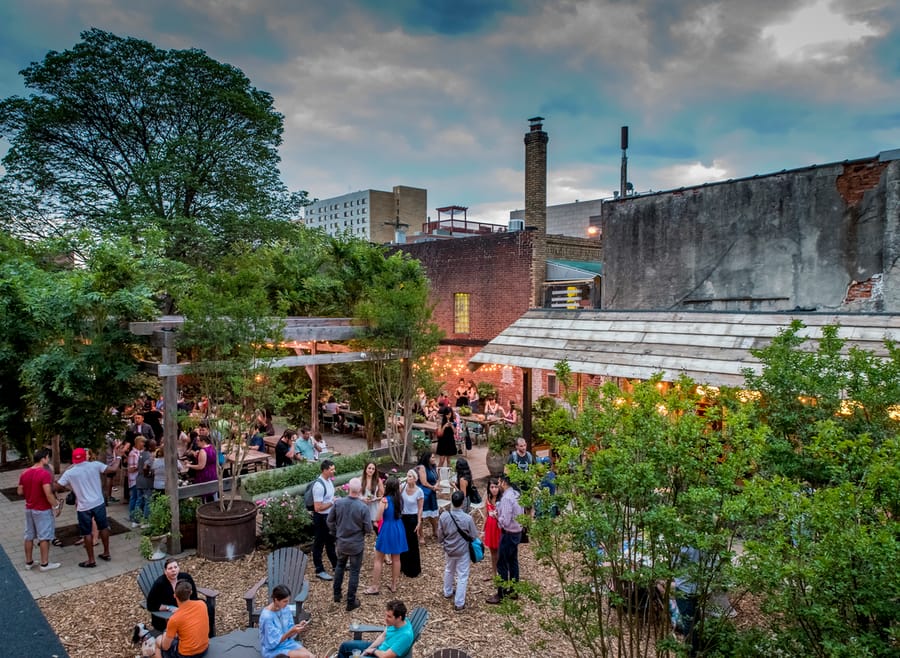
461,312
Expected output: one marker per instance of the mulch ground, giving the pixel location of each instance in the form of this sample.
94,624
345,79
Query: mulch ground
97,620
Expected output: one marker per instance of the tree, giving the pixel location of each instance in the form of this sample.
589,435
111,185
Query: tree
395,308
121,135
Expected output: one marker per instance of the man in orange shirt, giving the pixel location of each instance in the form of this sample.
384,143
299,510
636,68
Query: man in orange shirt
187,633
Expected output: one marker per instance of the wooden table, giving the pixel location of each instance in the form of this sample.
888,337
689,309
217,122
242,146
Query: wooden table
486,423
430,428
252,459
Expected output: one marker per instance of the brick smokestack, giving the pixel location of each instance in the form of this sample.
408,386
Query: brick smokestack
536,176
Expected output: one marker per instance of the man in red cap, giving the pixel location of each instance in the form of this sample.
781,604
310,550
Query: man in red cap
83,478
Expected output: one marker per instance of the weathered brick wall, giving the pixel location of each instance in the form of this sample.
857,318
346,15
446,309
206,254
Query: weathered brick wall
495,270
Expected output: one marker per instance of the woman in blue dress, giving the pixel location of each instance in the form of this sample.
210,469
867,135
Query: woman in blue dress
428,479
391,538
277,630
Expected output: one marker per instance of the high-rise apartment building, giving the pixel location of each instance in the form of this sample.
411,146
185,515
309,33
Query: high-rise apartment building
372,215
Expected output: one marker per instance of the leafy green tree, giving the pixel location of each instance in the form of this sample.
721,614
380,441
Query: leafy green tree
641,476
121,135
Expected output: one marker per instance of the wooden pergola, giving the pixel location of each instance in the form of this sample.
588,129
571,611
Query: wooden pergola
317,341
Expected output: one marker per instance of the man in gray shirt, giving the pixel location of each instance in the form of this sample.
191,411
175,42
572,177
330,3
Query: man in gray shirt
451,528
349,522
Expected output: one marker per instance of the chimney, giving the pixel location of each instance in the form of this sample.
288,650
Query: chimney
536,176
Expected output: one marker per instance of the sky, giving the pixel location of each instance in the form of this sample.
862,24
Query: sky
437,93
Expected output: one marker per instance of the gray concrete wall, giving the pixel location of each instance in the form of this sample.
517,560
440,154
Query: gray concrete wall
821,238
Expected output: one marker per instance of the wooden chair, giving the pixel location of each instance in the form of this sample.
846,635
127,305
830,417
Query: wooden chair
416,618
153,570
286,566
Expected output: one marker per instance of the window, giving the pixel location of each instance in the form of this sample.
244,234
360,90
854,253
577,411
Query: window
461,312
552,385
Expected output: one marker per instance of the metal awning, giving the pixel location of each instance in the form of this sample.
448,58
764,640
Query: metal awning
711,348
572,270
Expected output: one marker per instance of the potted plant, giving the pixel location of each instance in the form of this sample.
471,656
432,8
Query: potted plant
501,441
465,411
155,540
187,525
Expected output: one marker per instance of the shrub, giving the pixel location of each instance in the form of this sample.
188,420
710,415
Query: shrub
284,521
291,476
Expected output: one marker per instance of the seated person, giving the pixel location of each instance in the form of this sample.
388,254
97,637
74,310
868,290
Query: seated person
277,631
319,444
187,633
257,439
304,450
394,641
492,408
162,595
284,450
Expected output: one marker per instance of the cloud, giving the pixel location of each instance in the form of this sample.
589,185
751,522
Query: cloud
693,173
816,32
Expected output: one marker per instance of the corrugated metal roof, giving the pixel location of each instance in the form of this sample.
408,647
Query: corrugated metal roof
712,348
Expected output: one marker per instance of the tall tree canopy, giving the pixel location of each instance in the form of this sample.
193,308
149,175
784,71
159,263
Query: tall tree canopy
121,135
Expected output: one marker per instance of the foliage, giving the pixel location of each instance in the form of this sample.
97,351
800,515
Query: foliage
160,520
120,135
395,308
65,349
502,438
643,475
291,476
187,508
486,390
421,442
284,521
465,411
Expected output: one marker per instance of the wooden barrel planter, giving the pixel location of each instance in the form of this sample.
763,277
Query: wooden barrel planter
495,462
224,536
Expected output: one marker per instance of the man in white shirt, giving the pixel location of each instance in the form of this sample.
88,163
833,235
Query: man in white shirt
83,478
323,503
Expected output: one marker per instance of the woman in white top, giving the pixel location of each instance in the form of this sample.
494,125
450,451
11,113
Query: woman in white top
413,500
159,471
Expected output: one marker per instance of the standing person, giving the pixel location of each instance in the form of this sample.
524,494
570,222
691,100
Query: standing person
396,640
206,458
465,483
520,456
428,478
461,394
391,538
113,458
451,528
349,522
323,504
84,479
278,634
144,482
472,394
446,443
140,428
491,529
284,449
134,494
159,470
508,509
36,486
187,633
413,498
373,491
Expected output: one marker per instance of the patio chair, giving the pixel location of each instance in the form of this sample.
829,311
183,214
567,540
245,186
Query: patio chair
153,570
285,566
417,618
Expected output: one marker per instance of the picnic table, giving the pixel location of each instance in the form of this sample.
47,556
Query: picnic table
253,459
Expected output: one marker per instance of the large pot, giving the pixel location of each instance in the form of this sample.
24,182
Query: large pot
224,536
188,535
495,462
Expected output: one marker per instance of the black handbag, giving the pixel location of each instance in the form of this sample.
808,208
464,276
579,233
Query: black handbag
70,498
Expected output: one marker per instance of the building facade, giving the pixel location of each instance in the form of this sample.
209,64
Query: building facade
580,219
372,215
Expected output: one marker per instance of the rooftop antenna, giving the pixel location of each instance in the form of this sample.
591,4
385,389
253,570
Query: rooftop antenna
623,178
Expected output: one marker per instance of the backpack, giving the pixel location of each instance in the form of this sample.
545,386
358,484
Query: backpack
308,494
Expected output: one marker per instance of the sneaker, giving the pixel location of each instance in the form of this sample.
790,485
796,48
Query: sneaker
50,566
324,575
113,500
144,526
29,565
139,632
496,599
135,524
353,605
459,608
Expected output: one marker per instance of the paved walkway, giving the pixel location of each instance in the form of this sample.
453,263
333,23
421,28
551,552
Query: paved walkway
124,548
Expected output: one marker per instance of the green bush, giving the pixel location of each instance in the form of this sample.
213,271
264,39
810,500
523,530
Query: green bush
284,521
291,476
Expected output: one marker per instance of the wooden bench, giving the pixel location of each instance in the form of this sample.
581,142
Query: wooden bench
237,644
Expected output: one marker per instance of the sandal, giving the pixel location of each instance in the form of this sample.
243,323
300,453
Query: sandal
371,592
106,557
57,542
79,541
87,565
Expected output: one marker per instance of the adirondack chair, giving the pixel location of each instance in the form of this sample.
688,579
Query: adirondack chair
286,566
153,570
416,618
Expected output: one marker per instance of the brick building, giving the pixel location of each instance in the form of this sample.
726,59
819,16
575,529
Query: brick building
483,283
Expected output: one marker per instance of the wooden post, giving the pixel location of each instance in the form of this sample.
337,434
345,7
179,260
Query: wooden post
314,393
166,340
526,405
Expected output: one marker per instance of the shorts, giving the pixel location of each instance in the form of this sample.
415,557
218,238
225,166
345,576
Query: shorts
40,525
97,514
172,651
